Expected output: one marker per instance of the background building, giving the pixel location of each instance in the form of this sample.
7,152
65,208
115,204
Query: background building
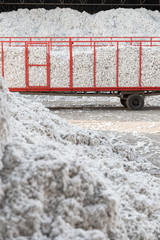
91,6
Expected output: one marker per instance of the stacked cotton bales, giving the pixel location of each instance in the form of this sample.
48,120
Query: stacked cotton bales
83,66
150,66
106,66
37,74
60,67
14,66
128,68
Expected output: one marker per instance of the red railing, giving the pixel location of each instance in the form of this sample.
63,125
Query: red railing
75,42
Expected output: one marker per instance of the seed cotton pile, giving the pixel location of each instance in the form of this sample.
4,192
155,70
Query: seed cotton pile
59,182
4,119
65,22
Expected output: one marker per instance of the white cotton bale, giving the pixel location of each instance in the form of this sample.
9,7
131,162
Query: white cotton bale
106,60
14,66
83,70
60,67
37,76
150,67
128,69
83,66
37,55
4,118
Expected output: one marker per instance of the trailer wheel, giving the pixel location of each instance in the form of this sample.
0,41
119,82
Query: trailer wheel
135,102
123,102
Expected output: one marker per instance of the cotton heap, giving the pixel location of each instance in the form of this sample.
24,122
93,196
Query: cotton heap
4,118
59,182
65,22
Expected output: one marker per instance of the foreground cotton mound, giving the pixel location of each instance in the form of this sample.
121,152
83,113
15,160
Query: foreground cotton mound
47,193
58,199
60,182
4,126
4,117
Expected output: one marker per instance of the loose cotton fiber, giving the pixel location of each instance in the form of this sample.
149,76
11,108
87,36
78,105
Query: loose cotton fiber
4,118
62,182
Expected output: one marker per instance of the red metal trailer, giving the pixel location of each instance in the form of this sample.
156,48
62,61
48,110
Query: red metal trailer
131,97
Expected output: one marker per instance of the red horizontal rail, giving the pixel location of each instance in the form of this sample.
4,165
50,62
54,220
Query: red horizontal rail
75,37
84,89
50,39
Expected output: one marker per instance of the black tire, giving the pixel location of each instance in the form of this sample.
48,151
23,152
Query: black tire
135,102
123,102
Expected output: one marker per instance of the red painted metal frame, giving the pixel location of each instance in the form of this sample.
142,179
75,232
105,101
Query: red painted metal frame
140,63
47,64
71,63
94,65
2,57
93,42
26,66
117,61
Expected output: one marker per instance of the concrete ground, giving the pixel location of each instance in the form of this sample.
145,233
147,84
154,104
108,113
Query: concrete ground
139,129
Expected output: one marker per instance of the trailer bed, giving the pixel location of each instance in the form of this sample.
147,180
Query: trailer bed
120,66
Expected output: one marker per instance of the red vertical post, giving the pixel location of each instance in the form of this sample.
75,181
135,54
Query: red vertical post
26,65
91,42
117,62
46,47
94,64
140,63
111,42
2,59
51,44
71,63
48,65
